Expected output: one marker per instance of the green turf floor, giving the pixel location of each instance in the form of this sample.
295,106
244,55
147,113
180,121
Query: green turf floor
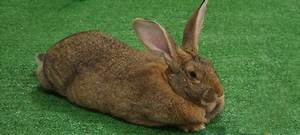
255,45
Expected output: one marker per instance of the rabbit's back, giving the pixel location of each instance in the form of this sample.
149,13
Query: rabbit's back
90,52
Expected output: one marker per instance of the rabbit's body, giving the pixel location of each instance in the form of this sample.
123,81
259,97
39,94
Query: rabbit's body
89,51
168,86
83,68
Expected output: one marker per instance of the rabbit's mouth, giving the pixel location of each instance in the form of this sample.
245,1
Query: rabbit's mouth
212,103
214,108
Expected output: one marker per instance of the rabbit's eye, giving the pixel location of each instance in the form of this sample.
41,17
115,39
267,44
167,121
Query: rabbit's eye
193,75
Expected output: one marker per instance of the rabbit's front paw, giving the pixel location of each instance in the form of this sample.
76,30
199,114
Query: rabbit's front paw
192,127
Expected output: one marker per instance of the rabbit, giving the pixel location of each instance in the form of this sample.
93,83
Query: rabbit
167,86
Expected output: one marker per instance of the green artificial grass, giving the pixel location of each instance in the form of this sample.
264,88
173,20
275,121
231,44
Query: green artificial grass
253,43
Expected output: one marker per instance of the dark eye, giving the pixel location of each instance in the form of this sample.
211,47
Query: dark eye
193,75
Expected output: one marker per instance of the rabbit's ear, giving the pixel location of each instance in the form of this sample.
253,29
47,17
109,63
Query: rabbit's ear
155,38
193,29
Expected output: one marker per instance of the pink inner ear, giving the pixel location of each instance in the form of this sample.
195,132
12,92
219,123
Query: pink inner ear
153,36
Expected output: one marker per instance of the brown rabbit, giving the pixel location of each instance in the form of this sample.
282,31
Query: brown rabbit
168,86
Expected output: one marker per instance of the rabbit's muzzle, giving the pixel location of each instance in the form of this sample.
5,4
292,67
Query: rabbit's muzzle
214,108
212,102
210,93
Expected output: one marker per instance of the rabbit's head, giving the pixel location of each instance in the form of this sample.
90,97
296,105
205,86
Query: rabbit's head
189,75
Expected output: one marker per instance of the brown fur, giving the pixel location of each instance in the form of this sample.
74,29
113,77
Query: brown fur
98,72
